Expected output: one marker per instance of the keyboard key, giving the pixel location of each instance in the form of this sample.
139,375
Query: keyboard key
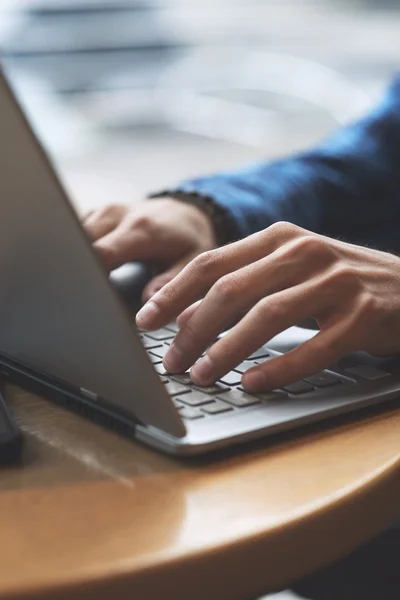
160,369
177,403
367,372
175,389
195,398
268,395
173,327
240,399
323,380
160,335
273,396
216,407
183,378
160,352
244,366
261,361
154,359
300,387
190,413
231,378
260,353
217,388
148,343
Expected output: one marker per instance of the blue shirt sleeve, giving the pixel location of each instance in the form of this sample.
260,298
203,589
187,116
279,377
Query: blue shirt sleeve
347,187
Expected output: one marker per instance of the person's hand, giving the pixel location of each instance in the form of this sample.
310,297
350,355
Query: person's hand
165,233
267,283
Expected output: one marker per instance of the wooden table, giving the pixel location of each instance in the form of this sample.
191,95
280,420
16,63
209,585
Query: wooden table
92,515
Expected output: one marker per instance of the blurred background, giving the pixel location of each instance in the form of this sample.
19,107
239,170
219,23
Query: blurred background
131,95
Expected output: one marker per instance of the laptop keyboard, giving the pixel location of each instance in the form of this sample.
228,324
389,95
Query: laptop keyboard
226,395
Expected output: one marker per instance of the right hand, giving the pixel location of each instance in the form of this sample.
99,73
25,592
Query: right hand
266,283
164,233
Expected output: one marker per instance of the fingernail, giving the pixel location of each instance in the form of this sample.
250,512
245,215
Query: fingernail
202,371
147,315
254,381
173,360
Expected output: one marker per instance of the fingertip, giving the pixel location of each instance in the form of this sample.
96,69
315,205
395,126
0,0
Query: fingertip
254,380
147,315
202,372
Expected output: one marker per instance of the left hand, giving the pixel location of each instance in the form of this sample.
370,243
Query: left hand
266,283
163,233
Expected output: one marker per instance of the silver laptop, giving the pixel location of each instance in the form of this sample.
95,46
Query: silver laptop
65,332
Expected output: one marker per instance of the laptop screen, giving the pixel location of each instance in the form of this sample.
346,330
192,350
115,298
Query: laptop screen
58,313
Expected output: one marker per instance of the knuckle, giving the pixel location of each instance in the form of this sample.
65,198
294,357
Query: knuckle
228,287
341,282
310,246
283,229
204,262
270,309
142,222
306,248
368,305
345,276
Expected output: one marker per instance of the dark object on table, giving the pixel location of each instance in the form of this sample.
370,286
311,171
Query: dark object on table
129,281
10,436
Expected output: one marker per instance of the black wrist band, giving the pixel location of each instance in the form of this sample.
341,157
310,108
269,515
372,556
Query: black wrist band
224,226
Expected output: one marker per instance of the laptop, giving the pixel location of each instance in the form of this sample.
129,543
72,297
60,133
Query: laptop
65,333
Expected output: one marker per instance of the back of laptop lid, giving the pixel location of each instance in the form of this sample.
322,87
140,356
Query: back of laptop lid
58,313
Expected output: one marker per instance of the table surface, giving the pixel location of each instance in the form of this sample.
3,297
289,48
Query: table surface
89,514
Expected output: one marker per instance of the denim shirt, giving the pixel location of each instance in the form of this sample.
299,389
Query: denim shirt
347,187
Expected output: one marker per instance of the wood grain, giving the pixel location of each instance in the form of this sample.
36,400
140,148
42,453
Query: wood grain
89,514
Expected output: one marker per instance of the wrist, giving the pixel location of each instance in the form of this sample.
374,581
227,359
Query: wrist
223,226
201,222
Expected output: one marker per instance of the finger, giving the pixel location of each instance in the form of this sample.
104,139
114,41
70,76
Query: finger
123,245
85,216
232,297
99,223
199,275
313,356
266,319
158,282
184,317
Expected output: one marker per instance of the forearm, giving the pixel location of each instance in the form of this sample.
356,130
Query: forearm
349,186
